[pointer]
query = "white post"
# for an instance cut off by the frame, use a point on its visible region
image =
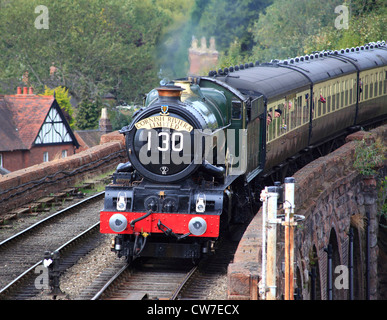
(271, 242)
(262, 283)
(289, 238)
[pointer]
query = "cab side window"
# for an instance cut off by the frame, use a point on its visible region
(236, 111)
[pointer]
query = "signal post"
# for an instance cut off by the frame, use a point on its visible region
(270, 196)
(289, 224)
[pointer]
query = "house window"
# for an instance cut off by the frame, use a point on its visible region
(1, 160)
(45, 157)
(64, 153)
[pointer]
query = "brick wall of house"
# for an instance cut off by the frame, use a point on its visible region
(16, 160)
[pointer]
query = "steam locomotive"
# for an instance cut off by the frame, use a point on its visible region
(200, 147)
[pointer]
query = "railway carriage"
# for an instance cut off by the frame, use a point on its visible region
(199, 148)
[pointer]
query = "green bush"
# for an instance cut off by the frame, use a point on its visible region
(369, 156)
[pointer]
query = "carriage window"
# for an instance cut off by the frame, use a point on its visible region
(293, 113)
(319, 108)
(346, 92)
(338, 95)
(323, 102)
(361, 91)
(376, 85)
(385, 84)
(328, 99)
(342, 95)
(306, 109)
(299, 110)
(269, 125)
(366, 87)
(354, 89)
(286, 116)
(350, 91)
(280, 116)
(236, 110)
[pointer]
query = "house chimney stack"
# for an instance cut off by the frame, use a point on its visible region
(104, 122)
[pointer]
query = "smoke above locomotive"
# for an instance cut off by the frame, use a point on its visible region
(180, 129)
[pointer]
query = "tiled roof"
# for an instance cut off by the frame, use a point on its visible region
(9, 134)
(90, 137)
(21, 117)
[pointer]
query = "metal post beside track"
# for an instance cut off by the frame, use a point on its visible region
(270, 197)
(289, 224)
(271, 243)
(267, 287)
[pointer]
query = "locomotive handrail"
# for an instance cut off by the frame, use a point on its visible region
(205, 133)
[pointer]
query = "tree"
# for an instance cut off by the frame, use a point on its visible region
(291, 28)
(283, 30)
(366, 23)
(63, 99)
(88, 115)
(96, 46)
(233, 56)
(228, 20)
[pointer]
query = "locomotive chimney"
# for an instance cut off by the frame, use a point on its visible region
(169, 93)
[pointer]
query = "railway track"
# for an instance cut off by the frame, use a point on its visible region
(163, 279)
(152, 279)
(23, 252)
(201, 283)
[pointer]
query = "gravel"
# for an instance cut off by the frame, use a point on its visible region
(82, 275)
(88, 268)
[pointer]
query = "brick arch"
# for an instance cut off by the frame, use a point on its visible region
(314, 273)
(301, 276)
(333, 261)
(335, 237)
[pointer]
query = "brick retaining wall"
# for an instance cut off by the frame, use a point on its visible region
(26, 185)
